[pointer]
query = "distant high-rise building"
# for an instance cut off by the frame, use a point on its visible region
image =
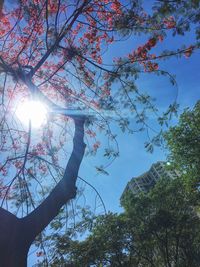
(147, 180)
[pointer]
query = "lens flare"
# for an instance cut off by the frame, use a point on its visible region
(33, 111)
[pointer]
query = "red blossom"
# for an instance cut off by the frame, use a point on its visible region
(39, 150)
(160, 38)
(169, 22)
(18, 164)
(151, 43)
(96, 145)
(150, 66)
(91, 133)
(4, 171)
(188, 51)
(116, 6)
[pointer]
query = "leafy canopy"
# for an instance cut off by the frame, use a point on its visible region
(154, 230)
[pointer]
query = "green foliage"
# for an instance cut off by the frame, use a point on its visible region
(106, 244)
(161, 224)
(183, 141)
(161, 228)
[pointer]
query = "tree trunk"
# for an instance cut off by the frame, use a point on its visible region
(17, 235)
(14, 244)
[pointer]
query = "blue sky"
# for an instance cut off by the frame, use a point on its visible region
(134, 160)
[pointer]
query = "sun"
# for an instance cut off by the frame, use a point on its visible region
(34, 111)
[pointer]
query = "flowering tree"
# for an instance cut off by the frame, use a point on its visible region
(52, 52)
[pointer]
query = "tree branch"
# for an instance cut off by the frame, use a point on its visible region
(65, 190)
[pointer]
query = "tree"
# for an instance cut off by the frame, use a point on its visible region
(183, 142)
(161, 224)
(105, 246)
(151, 232)
(52, 51)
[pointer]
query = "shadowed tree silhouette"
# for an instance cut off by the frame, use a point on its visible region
(16, 235)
